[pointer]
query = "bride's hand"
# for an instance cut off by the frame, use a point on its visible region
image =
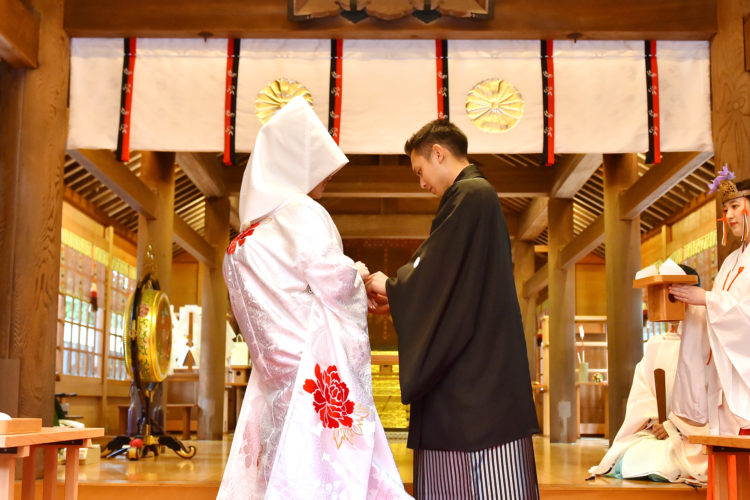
(378, 304)
(362, 269)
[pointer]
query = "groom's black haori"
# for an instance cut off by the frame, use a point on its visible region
(463, 365)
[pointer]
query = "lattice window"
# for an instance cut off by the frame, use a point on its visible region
(79, 327)
(123, 284)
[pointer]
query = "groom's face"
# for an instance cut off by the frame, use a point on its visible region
(428, 171)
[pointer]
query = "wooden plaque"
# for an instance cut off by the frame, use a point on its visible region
(389, 10)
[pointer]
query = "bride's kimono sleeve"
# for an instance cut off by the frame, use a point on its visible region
(330, 274)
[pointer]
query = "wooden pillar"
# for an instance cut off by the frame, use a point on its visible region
(109, 234)
(213, 324)
(33, 128)
(622, 238)
(562, 290)
(523, 269)
(157, 172)
(730, 97)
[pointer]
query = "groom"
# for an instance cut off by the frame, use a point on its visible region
(462, 355)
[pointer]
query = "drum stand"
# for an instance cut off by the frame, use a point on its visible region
(143, 442)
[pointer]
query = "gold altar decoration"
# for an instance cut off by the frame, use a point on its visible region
(494, 106)
(276, 95)
(153, 336)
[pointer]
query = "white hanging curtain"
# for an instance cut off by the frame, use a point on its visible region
(389, 90)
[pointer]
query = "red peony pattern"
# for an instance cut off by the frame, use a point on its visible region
(239, 240)
(330, 397)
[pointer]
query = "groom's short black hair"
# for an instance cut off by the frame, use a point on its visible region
(441, 132)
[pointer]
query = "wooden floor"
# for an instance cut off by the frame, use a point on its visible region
(562, 471)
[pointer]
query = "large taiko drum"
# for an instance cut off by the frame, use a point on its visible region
(153, 336)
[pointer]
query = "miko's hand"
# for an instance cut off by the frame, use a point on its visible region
(689, 294)
(659, 431)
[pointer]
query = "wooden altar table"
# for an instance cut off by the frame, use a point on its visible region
(729, 474)
(13, 446)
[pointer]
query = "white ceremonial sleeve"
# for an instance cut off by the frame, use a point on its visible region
(729, 334)
(640, 409)
(641, 405)
(330, 274)
(689, 393)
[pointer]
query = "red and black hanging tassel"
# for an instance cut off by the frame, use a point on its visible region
(92, 290)
(548, 103)
(441, 63)
(126, 101)
(335, 86)
(652, 95)
(230, 100)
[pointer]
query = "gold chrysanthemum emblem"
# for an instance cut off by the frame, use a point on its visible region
(494, 105)
(276, 95)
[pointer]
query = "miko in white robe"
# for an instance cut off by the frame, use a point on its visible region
(725, 404)
(636, 453)
(308, 427)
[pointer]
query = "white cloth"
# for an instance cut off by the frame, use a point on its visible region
(308, 427)
(388, 92)
(293, 153)
(728, 321)
(642, 454)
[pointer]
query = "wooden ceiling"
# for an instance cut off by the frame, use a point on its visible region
(377, 196)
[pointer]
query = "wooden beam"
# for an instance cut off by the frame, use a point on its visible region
(392, 181)
(624, 303)
(523, 269)
(573, 172)
(405, 226)
(562, 309)
(536, 283)
(513, 19)
(99, 215)
(688, 209)
(19, 35)
(154, 252)
(206, 172)
(730, 89)
(213, 319)
(193, 243)
(33, 125)
(583, 244)
(658, 180)
(511, 220)
(118, 178)
(533, 220)
(234, 216)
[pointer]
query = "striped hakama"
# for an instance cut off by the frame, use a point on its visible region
(505, 472)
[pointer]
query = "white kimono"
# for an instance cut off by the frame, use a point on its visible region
(308, 427)
(673, 459)
(726, 402)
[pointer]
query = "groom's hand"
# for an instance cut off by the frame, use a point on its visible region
(375, 283)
